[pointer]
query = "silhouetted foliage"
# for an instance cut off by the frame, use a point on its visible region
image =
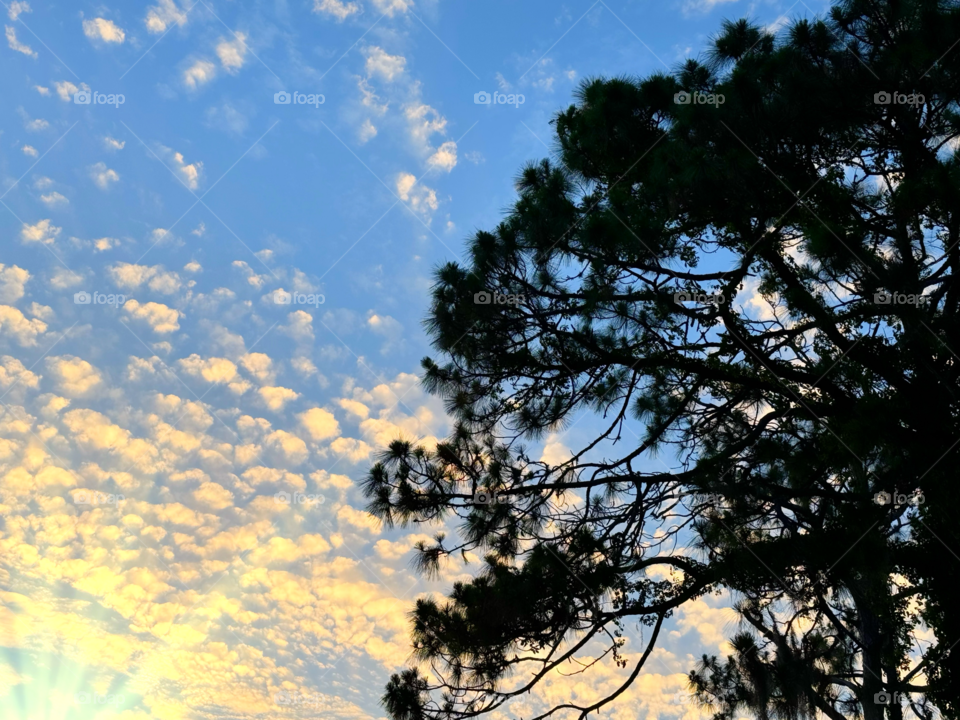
(815, 433)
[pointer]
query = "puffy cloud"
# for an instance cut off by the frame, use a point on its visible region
(64, 279)
(54, 199)
(354, 408)
(162, 15)
(392, 7)
(29, 150)
(17, 7)
(65, 90)
(337, 8)
(13, 280)
(43, 232)
(380, 63)
(200, 73)
(231, 53)
(189, 172)
(159, 317)
(423, 121)
(422, 199)
(214, 370)
(23, 330)
(214, 496)
(104, 30)
(320, 423)
(113, 144)
(367, 131)
(259, 365)
(74, 377)
(276, 397)
(13, 372)
(293, 449)
(445, 158)
(130, 277)
(102, 176)
(17, 45)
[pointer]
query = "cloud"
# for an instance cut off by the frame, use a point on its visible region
(13, 281)
(337, 8)
(161, 16)
(320, 423)
(445, 158)
(54, 199)
(102, 176)
(226, 118)
(17, 7)
(702, 6)
(17, 45)
(13, 372)
(22, 329)
(65, 90)
(422, 199)
(380, 63)
(214, 370)
(259, 365)
(42, 90)
(190, 173)
(159, 317)
(104, 30)
(131, 277)
(392, 7)
(276, 397)
(64, 279)
(200, 73)
(367, 131)
(112, 144)
(74, 377)
(231, 53)
(30, 150)
(43, 232)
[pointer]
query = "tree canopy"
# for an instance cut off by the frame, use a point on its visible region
(754, 258)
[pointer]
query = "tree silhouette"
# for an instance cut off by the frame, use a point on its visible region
(754, 257)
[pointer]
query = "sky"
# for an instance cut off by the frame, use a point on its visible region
(182, 533)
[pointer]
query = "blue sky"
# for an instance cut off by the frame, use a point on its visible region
(198, 398)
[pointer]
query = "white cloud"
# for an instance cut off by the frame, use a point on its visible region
(193, 267)
(42, 90)
(381, 63)
(14, 324)
(702, 6)
(105, 243)
(190, 173)
(424, 121)
(16, 44)
(65, 90)
(421, 198)
(64, 279)
(337, 8)
(30, 150)
(42, 183)
(13, 280)
(74, 377)
(200, 73)
(104, 30)
(54, 199)
(43, 232)
(36, 125)
(113, 144)
(445, 158)
(391, 7)
(16, 8)
(159, 317)
(276, 397)
(130, 277)
(231, 53)
(102, 176)
(164, 14)
(367, 131)
(214, 370)
(320, 423)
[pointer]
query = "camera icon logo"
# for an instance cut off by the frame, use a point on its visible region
(82, 298)
(82, 698)
(882, 498)
(882, 98)
(482, 98)
(82, 497)
(682, 98)
(281, 98)
(482, 298)
(882, 298)
(81, 97)
(282, 698)
(483, 497)
(885, 698)
(282, 297)
(283, 498)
